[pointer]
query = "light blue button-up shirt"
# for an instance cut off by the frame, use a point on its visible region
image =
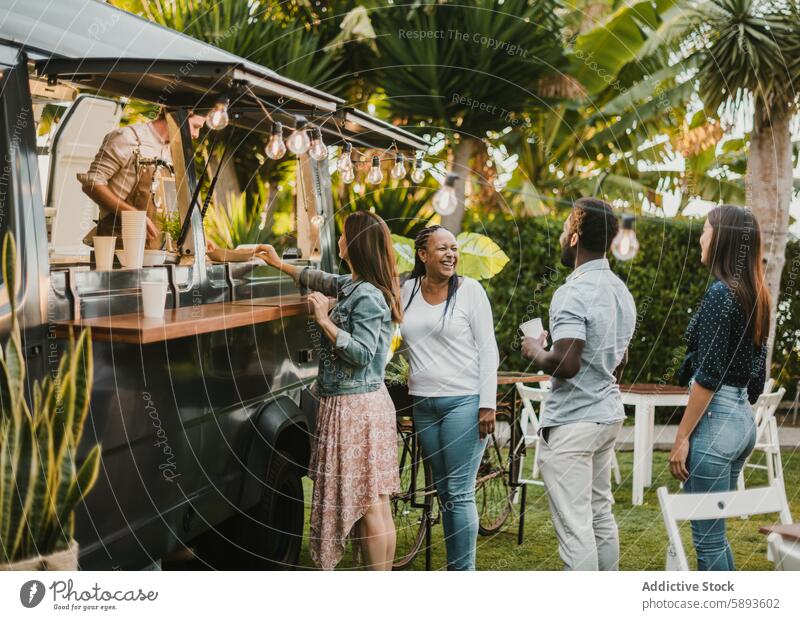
(595, 306)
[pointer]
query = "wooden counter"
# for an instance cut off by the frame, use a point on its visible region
(189, 321)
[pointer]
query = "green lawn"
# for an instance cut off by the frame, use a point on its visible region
(643, 539)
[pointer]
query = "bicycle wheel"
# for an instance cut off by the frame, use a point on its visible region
(493, 494)
(414, 505)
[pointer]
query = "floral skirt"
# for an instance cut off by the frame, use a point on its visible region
(353, 462)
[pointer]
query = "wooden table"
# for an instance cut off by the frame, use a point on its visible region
(783, 545)
(189, 321)
(645, 397)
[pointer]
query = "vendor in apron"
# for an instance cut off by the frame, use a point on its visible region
(121, 176)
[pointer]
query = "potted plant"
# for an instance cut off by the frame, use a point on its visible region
(40, 483)
(479, 258)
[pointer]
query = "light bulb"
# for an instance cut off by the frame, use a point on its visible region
(348, 175)
(317, 151)
(375, 175)
(298, 142)
(276, 148)
(445, 201)
(218, 117)
(417, 174)
(345, 163)
(625, 245)
(499, 184)
(398, 170)
(318, 220)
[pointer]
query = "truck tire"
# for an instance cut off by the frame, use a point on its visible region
(269, 535)
(275, 529)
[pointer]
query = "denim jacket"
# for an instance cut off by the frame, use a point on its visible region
(355, 363)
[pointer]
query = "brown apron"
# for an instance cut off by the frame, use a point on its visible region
(141, 197)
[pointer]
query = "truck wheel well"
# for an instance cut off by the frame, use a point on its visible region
(295, 441)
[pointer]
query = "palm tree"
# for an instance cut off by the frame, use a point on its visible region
(465, 68)
(747, 54)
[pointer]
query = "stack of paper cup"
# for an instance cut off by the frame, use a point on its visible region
(154, 296)
(134, 235)
(104, 252)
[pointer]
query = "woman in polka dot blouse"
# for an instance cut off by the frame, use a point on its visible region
(725, 368)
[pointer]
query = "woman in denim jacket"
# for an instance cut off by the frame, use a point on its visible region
(725, 365)
(354, 456)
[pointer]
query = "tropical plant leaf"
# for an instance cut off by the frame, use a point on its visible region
(479, 257)
(404, 253)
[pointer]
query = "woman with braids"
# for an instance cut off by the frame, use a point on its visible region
(725, 362)
(448, 338)
(354, 456)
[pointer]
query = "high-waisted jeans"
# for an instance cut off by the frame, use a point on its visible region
(448, 432)
(718, 448)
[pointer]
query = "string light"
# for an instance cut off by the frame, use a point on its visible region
(318, 220)
(317, 151)
(398, 170)
(276, 148)
(348, 175)
(375, 175)
(345, 162)
(218, 117)
(298, 142)
(445, 201)
(417, 173)
(625, 245)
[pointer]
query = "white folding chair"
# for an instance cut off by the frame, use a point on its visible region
(767, 440)
(699, 506)
(530, 423)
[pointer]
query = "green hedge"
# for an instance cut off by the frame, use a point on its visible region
(666, 279)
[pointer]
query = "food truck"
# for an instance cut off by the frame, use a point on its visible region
(205, 416)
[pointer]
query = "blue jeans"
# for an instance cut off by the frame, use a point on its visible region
(448, 431)
(718, 448)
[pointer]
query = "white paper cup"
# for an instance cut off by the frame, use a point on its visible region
(532, 328)
(154, 296)
(134, 251)
(104, 252)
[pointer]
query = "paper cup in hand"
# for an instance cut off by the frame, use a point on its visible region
(104, 252)
(154, 296)
(532, 328)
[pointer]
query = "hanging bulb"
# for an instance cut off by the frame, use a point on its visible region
(345, 163)
(318, 220)
(445, 201)
(276, 147)
(298, 142)
(417, 174)
(625, 244)
(498, 184)
(375, 175)
(317, 151)
(348, 174)
(399, 169)
(218, 117)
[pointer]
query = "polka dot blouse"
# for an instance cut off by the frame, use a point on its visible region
(719, 349)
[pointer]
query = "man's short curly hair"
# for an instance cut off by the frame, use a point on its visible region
(595, 223)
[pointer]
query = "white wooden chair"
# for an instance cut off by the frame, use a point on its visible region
(699, 506)
(767, 440)
(530, 424)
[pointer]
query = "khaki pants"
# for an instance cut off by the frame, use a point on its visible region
(575, 462)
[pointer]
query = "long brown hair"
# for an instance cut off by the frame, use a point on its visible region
(371, 255)
(735, 258)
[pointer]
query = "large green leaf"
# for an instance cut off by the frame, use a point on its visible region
(479, 257)
(404, 252)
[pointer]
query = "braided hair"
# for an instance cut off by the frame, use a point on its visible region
(420, 243)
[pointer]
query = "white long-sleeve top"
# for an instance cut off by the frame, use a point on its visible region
(453, 355)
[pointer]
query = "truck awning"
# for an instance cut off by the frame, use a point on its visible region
(94, 45)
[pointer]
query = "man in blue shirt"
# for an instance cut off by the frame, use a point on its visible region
(592, 319)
